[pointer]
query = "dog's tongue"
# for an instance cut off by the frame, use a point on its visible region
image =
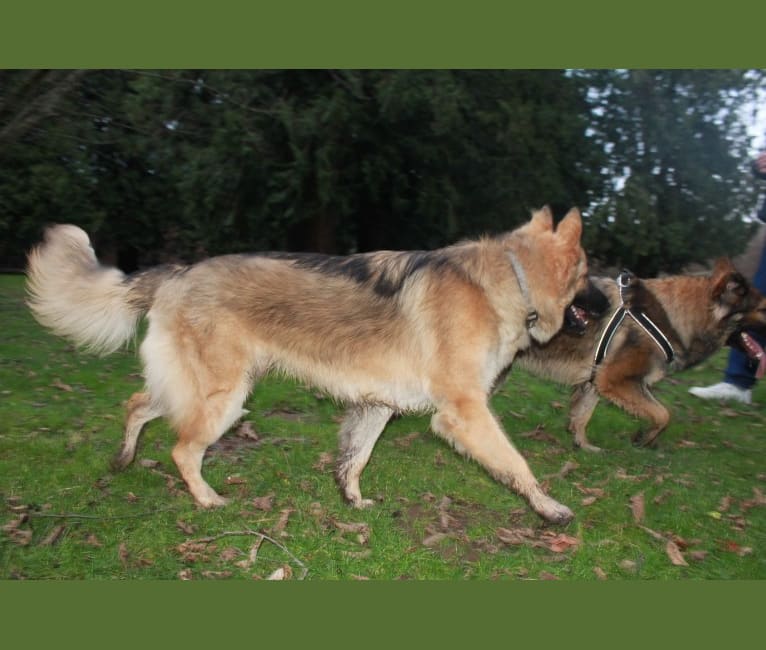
(755, 351)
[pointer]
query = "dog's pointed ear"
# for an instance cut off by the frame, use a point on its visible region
(542, 220)
(570, 227)
(729, 285)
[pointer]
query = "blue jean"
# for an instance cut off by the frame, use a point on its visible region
(740, 371)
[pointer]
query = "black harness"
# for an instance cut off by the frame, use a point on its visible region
(641, 319)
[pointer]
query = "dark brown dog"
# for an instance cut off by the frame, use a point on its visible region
(697, 314)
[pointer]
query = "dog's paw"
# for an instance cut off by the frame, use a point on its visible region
(212, 501)
(586, 446)
(361, 504)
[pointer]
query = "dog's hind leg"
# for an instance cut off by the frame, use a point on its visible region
(203, 427)
(140, 410)
(584, 400)
(635, 398)
(467, 422)
(359, 432)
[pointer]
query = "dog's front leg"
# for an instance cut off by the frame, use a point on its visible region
(468, 424)
(359, 432)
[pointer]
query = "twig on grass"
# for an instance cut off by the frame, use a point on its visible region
(253, 533)
(75, 515)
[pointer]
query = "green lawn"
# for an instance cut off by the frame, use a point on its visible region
(698, 498)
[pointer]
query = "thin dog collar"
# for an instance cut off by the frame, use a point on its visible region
(640, 318)
(521, 278)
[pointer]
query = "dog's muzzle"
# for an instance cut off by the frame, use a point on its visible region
(744, 342)
(575, 319)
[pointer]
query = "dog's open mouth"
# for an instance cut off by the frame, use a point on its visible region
(576, 318)
(747, 344)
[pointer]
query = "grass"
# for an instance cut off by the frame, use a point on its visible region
(65, 515)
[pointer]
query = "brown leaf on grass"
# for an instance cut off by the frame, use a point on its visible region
(186, 527)
(265, 503)
(405, 442)
(149, 463)
(622, 475)
(252, 555)
(674, 553)
(132, 498)
(279, 527)
(185, 574)
(123, 554)
(546, 575)
(539, 433)
(560, 543)
(60, 385)
(588, 501)
(697, 556)
(247, 431)
(600, 573)
(591, 491)
(92, 540)
(235, 480)
(228, 554)
(217, 575)
(654, 533)
(628, 565)
(557, 405)
(637, 507)
(284, 572)
(662, 497)
(53, 536)
(515, 536)
(758, 500)
(439, 459)
(325, 458)
(733, 547)
(687, 444)
(360, 529)
(434, 539)
(566, 469)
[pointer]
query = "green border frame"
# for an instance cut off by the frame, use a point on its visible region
(354, 34)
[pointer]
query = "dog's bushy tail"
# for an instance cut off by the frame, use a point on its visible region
(70, 293)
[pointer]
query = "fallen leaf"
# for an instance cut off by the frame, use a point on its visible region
(279, 527)
(628, 565)
(185, 574)
(600, 573)
(433, 540)
(216, 575)
(282, 573)
(588, 501)
(53, 536)
(637, 507)
(325, 458)
(698, 556)
(265, 503)
(148, 463)
(123, 554)
(724, 504)
(405, 441)
(675, 555)
(562, 543)
(246, 430)
(545, 575)
(515, 536)
(235, 480)
(62, 386)
(185, 527)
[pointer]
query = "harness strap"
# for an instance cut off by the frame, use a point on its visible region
(521, 278)
(640, 318)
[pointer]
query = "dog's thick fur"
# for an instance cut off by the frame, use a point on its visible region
(384, 332)
(697, 313)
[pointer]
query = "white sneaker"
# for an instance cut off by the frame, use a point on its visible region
(723, 391)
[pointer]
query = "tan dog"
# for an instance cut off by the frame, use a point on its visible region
(697, 313)
(384, 332)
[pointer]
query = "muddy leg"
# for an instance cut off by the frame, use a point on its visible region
(140, 410)
(359, 432)
(583, 402)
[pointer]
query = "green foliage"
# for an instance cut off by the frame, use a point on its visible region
(65, 515)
